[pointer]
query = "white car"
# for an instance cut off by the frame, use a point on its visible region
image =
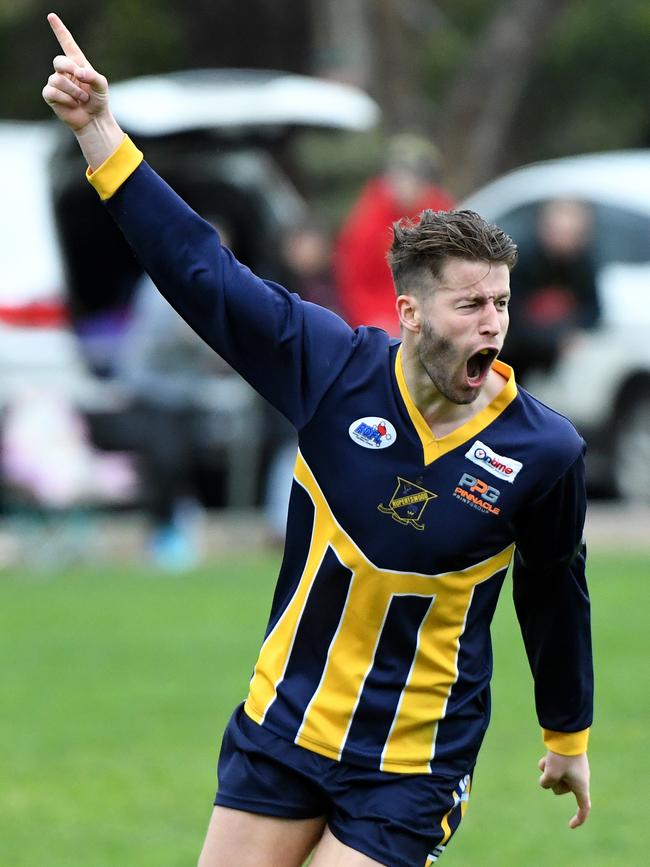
(602, 381)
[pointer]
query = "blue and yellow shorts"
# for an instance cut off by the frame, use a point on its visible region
(400, 820)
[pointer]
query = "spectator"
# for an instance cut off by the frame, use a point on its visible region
(171, 376)
(307, 264)
(554, 287)
(407, 185)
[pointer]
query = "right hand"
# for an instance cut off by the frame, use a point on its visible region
(75, 92)
(564, 774)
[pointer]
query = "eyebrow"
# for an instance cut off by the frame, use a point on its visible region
(467, 294)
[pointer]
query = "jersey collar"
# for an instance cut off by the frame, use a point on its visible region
(435, 447)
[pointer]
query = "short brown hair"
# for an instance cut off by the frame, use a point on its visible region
(420, 247)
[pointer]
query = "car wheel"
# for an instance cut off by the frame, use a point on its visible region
(631, 466)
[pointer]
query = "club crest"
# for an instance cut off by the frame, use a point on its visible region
(372, 432)
(408, 503)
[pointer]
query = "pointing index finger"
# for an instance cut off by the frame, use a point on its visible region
(66, 40)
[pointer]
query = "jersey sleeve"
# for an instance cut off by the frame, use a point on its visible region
(552, 604)
(289, 350)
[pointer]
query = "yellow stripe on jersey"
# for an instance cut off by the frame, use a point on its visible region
(275, 652)
(434, 671)
(327, 719)
(435, 447)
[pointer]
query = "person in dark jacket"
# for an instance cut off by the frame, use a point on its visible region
(554, 288)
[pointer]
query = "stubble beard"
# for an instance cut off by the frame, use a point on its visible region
(439, 359)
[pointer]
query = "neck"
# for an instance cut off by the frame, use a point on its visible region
(441, 414)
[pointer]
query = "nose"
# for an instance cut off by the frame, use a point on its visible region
(491, 320)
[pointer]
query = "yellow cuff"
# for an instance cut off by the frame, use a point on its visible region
(109, 177)
(566, 743)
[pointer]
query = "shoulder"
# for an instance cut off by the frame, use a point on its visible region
(374, 346)
(373, 352)
(369, 363)
(550, 432)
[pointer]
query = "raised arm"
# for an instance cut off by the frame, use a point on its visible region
(78, 95)
(290, 351)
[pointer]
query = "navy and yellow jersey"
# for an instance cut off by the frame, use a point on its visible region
(378, 650)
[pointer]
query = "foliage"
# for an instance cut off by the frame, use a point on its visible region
(126, 37)
(589, 90)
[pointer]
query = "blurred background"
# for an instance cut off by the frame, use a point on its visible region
(301, 130)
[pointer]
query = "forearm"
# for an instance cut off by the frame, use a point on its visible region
(260, 329)
(552, 603)
(553, 612)
(179, 250)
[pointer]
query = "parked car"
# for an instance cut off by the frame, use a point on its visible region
(601, 381)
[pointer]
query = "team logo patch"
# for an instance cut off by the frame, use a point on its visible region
(372, 432)
(502, 467)
(408, 503)
(478, 494)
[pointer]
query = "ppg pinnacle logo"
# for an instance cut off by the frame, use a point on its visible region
(478, 494)
(500, 466)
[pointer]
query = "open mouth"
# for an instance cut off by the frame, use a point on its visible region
(478, 366)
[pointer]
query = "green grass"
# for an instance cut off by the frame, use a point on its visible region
(511, 821)
(116, 686)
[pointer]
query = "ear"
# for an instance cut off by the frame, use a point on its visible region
(409, 313)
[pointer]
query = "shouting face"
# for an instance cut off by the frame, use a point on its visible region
(462, 326)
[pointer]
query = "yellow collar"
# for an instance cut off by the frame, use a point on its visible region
(434, 447)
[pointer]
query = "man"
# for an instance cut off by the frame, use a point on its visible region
(169, 376)
(555, 293)
(420, 467)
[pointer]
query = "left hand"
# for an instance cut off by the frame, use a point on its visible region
(78, 95)
(565, 774)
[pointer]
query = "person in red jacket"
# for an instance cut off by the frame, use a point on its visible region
(407, 185)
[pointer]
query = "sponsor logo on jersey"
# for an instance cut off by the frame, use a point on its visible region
(500, 466)
(478, 494)
(372, 432)
(408, 503)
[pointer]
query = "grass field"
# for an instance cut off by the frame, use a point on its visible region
(116, 686)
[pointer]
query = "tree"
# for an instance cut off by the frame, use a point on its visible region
(380, 45)
(495, 82)
(480, 105)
